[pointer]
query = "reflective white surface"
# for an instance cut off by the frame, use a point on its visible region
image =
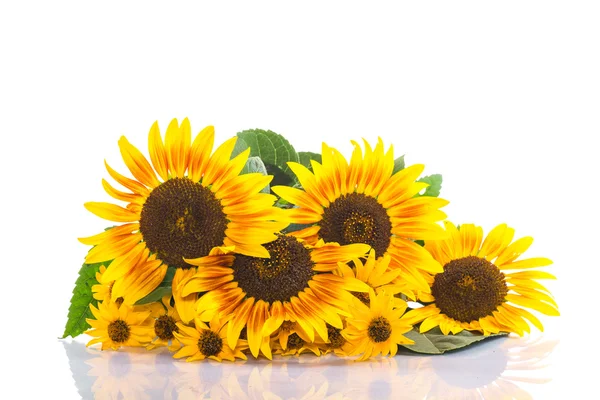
(502, 368)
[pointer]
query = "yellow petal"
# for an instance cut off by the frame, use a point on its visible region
(137, 163)
(158, 154)
(200, 152)
(111, 212)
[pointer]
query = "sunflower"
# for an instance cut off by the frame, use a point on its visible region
(378, 328)
(290, 339)
(478, 289)
(183, 204)
(115, 326)
(165, 327)
(335, 342)
(208, 341)
(297, 345)
(375, 273)
(295, 283)
(365, 202)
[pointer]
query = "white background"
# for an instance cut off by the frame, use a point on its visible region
(502, 98)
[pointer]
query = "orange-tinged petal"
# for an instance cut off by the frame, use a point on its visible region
(158, 154)
(111, 212)
(255, 325)
(130, 184)
(111, 250)
(123, 196)
(235, 326)
(109, 233)
(137, 163)
(219, 162)
(298, 197)
(200, 152)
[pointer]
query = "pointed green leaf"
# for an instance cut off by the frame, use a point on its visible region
(163, 289)
(422, 343)
(82, 297)
(239, 147)
(398, 164)
(275, 152)
(435, 185)
(296, 227)
(435, 342)
(306, 156)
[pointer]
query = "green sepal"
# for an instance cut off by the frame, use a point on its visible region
(82, 297)
(435, 185)
(274, 151)
(163, 289)
(398, 164)
(435, 342)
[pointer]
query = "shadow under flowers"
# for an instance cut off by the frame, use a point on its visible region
(496, 369)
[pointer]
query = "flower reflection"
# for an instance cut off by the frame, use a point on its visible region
(496, 369)
(119, 375)
(491, 372)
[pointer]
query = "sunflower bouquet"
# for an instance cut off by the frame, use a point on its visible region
(256, 249)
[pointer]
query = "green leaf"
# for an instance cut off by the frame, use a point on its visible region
(295, 227)
(398, 164)
(274, 150)
(240, 146)
(306, 156)
(435, 185)
(435, 342)
(422, 343)
(82, 297)
(255, 165)
(279, 177)
(163, 289)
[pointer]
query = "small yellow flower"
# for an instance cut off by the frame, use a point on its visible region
(165, 327)
(335, 342)
(376, 273)
(117, 326)
(378, 328)
(208, 341)
(292, 340)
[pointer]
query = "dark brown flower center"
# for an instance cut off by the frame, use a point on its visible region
(280, 277)
(357, 218)
(210, 343)
(363, 297)
(379, 329)
(469, 288)
(164, 326)
(118, 331)
(182, 219)
(287, 326)
(295, 342)
(336, 340)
